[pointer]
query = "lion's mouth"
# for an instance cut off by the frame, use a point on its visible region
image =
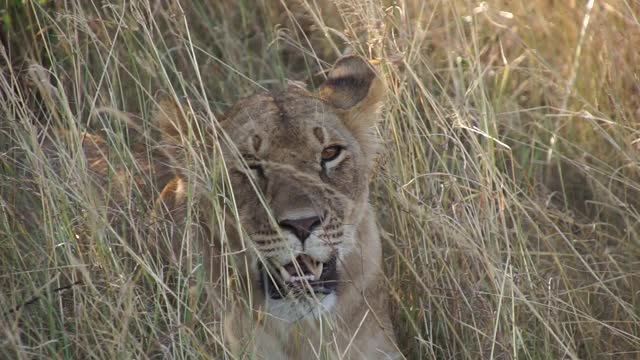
(300, 277)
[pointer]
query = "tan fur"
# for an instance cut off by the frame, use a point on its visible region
(284, 131)
(285, 134)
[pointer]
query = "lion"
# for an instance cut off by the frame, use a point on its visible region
(299, 163)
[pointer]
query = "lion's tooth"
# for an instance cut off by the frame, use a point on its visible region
(308, 262)
(285, 274)
(317, 270)
(314, 266)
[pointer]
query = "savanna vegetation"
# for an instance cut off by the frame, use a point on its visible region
(508, 186)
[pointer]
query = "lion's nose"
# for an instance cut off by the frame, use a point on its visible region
(301, 228)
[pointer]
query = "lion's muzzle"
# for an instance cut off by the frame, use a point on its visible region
(301, 277)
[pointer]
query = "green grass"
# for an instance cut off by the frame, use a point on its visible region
(508, 188)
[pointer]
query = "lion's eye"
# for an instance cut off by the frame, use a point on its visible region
(253, 163)
(330, 153)
(257, 169)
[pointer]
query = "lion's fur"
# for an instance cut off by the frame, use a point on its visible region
(285, 132)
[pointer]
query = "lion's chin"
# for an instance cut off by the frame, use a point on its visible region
(291, 311)
(303, 277)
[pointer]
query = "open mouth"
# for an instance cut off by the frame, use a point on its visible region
(300, 277)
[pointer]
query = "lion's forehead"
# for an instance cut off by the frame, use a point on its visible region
(286, 121)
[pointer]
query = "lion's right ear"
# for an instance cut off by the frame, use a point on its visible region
(354, 88)
(171, 120)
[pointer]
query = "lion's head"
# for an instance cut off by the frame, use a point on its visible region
(299, 163)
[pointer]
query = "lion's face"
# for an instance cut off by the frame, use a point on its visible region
(300, 160)
(299, 164)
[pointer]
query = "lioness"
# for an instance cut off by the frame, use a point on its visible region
(315, 258)
(299, 163)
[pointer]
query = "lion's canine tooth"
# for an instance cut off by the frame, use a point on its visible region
(318, 272)
(285, 274)
(314, 266)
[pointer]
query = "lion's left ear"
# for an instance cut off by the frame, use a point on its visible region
(354, 88)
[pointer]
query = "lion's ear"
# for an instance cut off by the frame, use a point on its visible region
(170, 119)
(354, 88)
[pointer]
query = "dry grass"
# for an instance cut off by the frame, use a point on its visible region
(509, 188)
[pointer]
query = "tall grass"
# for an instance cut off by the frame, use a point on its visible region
(508, 189)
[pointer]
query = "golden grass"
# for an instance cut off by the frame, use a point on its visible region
(508, 191)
